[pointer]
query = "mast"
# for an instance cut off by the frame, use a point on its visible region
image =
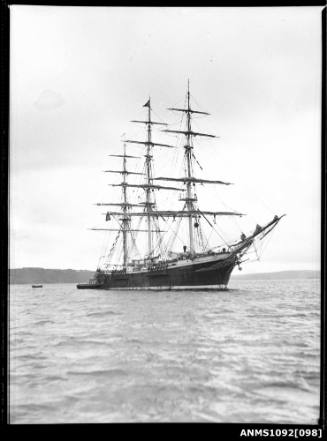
(148, 185)
(125, 205)
(148, 167)
(189, 180)
(188, 156)
(125, 217)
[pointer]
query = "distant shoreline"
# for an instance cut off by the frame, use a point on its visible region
(22, 276)
(279, 275)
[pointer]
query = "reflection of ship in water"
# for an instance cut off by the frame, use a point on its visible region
(199, 265)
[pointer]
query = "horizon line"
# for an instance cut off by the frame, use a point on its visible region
(89, 270)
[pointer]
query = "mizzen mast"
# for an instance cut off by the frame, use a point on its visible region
(125, 226)
(125, 205)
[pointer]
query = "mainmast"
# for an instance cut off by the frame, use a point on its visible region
(148, 186)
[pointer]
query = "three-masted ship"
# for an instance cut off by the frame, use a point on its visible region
(160, 267)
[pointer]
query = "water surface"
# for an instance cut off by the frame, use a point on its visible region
(250, 354)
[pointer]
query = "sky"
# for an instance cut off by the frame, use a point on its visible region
(78, 75)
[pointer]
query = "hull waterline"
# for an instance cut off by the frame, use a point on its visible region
(208, 275)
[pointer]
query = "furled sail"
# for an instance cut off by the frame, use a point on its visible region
(156, 187)
(188, 111)
(150, 122)
(150, 143)
(125, 156)
(191, 179)
(181, 213)
(129, 230)
(123, 172)
(190, 132)
(116, 204)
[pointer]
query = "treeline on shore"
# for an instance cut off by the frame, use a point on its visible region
(46, 275)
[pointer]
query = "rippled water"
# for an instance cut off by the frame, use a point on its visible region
(250, 354)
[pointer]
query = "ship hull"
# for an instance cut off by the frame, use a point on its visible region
(214, 274)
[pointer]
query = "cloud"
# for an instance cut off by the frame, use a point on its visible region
(49, 100)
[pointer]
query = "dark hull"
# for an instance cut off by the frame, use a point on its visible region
(214, 274)
(89, 286)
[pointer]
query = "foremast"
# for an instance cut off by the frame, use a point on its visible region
(190, 180)
(190, 199)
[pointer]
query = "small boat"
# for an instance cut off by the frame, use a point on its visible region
(37, 286)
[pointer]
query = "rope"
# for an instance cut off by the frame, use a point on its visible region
(133, 237)
(112, 249)
(201, 236)
(213, 228)
(197, 161)
(209, 237)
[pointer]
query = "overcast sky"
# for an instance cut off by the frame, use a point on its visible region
(79, 75)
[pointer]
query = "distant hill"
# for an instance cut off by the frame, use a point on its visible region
(45, 275)
(306, 274)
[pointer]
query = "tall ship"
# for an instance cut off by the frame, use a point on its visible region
(168, 248)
